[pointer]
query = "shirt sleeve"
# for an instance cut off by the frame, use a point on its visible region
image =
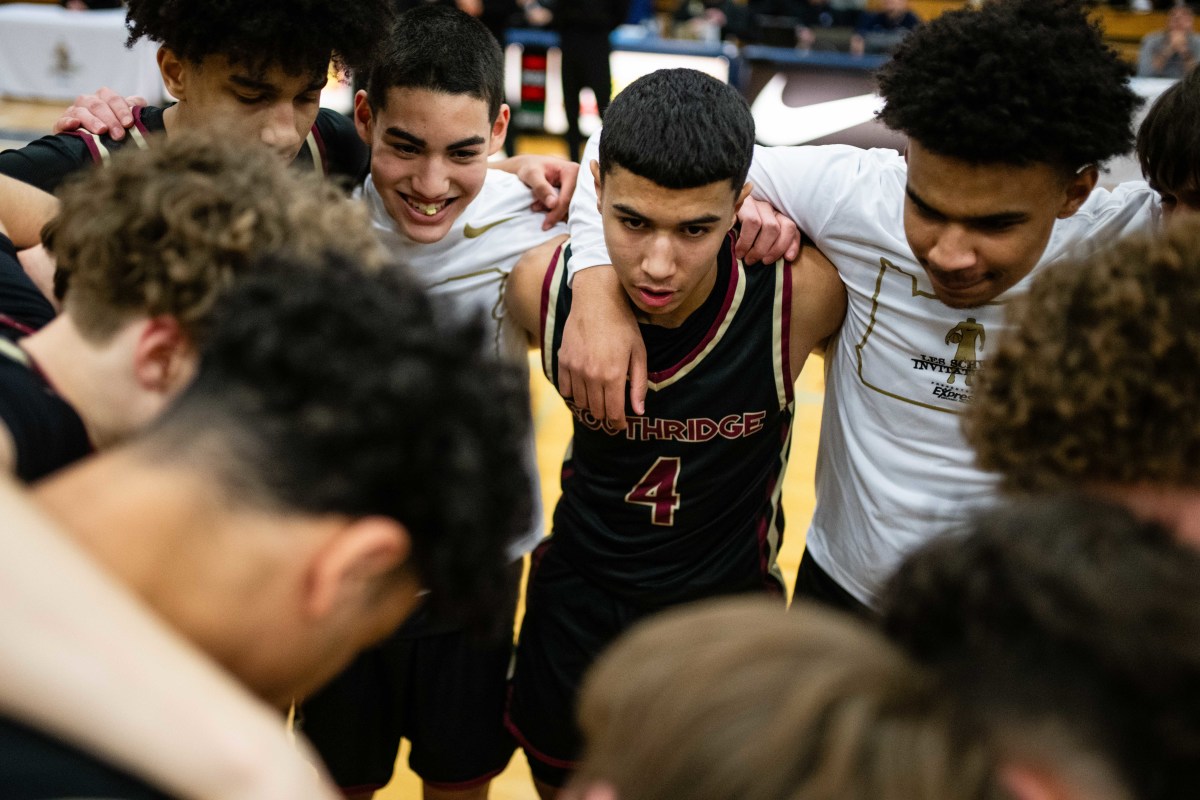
(20, 299)
(586, 227)
(806, 183)
(44, 163)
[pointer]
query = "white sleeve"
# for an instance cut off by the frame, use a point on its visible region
(806, 182)
(587, 229)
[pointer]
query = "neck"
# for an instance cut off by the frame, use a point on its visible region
(87, 376)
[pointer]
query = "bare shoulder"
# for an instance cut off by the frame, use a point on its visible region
(523, 295)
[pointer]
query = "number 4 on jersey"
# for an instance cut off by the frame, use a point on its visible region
(657, 490)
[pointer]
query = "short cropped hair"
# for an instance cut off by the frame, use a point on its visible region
(301, 36)
(328, 388)
(1097, 379)
(680, 129)
(1167, 145)
(1014, 82)
(742, 700)
(443, 50)
(163, 230)
(1065, 615)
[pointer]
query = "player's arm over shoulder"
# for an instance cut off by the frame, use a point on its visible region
(523, 294)
(818, 303)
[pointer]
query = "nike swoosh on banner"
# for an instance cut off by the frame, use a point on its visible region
(471, 232)
(777, 123)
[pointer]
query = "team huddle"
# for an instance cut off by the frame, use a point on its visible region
(264, 398)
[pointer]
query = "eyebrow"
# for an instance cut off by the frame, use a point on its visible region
(256, 84)
(707, 219)
(400, 133)
(1004, 217)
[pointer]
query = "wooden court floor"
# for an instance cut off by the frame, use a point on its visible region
(552, 424)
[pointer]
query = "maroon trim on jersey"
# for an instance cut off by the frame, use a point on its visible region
(90, 140)
(19, 327)
(137, 120)
(530, 750)
(730, 291)
(785, 334)
(320, 140)
(544, 309)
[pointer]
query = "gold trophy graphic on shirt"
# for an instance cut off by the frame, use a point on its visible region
(970, 336)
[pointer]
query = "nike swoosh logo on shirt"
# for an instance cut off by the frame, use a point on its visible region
(471, 232)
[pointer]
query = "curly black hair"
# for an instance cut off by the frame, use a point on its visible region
(1014, 82)
(298, 35)
(326, 388)
(1096, 381)
(1066, 612)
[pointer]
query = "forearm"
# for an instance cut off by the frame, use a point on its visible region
(24, 210)
(81, 658)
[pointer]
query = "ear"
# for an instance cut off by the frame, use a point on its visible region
(500, 129)
(741, 198)
(174, 72)
(1078, 189)
(362, 116)
(595, 167)
(164, 359)
(352, 566)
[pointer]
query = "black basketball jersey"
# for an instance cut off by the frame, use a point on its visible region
(685, 503)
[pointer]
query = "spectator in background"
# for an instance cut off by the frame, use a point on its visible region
(882, 31)
(1172, 52)
(495, 14)
(821, 24)
(712, 20)
(583, 29)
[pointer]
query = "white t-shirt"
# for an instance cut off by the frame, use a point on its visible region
(470, 266)
(893, 468)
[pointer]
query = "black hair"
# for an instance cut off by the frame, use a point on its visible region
(1014, 82)
(680, 129)
(443, 50)
(301, 36)
(1168, 144)
(328, 389)
(1066, 612)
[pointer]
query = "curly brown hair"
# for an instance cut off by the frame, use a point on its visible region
(1097, 380)
(165, 229)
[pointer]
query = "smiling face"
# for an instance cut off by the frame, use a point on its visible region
(269, 105)
(978, 229)
(664, 242)
(429, 154)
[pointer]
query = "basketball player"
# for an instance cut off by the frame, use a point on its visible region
(146, 245)
(1094, 388)
(1069, 633)
(1010, 111)
(286, 511)
(431, 115)
(684, 504)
